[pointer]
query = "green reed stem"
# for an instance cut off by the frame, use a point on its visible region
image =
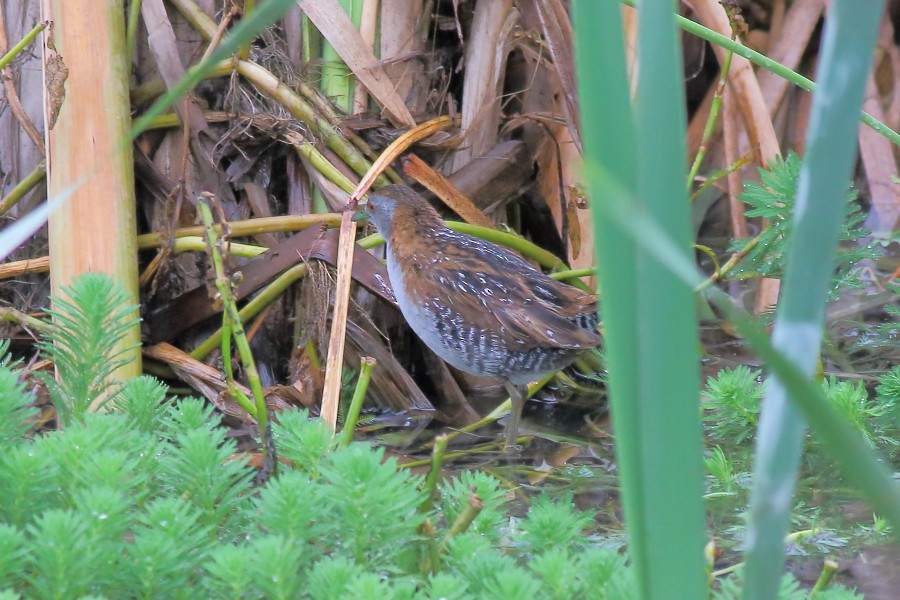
(362, 385)
(232, 322)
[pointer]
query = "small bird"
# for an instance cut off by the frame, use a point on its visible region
(480, 307)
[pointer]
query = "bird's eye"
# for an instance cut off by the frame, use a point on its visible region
(372, 207)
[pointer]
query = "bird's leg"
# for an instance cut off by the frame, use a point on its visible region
(517, 397)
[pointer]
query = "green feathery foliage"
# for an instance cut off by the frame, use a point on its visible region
(154, 500)
(870, 417)
(15, 404)
(773, 198)
(732, 399)
(90, 318)
(888, 389)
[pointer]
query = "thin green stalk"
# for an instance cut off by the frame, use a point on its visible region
(11, 315)
(574, 273)
(730, 264)
(37, 175)
(268, 295)
(282, 224)
(829, 568)
(770, 65)
(471, 510)
(362, 385)
(249, 6)
(22, 44)
(232, 321)
(438, 453)
(710, 122)
(233, 390)
(712, 179)
(198, 244)
(844, 63)
(308, 36)
(134, 16)
(449, 456)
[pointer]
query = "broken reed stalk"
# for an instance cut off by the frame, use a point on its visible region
(472, 509)
(438, 454)
(134, 16)
(234, 328)
(367, 363)
(331, 393)
(710, 122)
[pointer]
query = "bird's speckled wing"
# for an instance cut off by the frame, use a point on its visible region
(494, 287)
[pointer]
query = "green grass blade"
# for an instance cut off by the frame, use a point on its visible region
(648, 312)
(850, 34)
(609, 140)
(668, 357)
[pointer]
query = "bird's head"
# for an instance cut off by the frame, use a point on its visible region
(397, 206)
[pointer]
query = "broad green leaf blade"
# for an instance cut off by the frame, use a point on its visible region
(651, 343)
(668, 357)
(609, 141)
(850, 34)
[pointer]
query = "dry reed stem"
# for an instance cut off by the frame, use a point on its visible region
(877, 154)
(486, 53)
(368, 25)
(331, 394)
(557, 30)
(788, 47)
(730, 131)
